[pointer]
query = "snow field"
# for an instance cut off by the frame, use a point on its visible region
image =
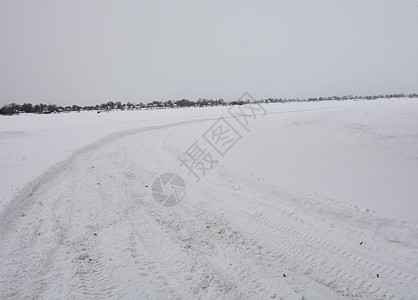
(88, 227)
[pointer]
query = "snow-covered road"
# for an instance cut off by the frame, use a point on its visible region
(90, 228)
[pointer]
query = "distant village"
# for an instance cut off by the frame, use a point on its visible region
(13, 108)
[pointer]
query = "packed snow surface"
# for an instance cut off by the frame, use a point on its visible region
(314, 201)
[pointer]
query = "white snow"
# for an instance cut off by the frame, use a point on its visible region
(318, 200)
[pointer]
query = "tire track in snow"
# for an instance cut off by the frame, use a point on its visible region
(11, 218)
(157, 236)
(163, 221)
(89, 218)
(358, 266)
(292, 246)
(232, 272)
(34, 241)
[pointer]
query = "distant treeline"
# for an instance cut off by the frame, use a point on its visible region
(13, 108)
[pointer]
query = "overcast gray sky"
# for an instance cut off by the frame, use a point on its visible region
(87, 52)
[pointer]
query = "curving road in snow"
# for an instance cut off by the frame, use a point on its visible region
(89, 228)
